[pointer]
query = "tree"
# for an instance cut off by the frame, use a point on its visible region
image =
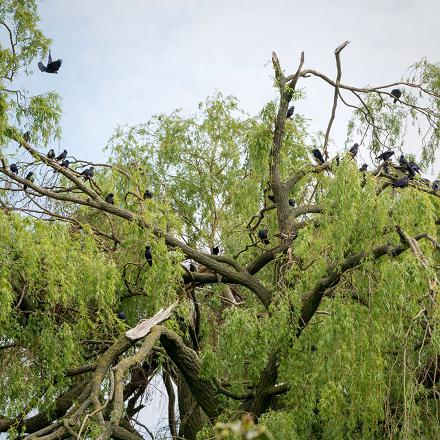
(329, 331)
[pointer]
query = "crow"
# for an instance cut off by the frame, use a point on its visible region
(415, 167)
(436, 185)
(402, 161)
(401, 183)
(65, 163)
(88, 173)
(354, 150)
(338, 160)
(411, 171)
(27, 136)
(14, 168)
(292, 202)
(262, 234)
(271, 197)
(52, 66)
(109, 198)
(318, 155)
(290, 111)
(121, 315)
(192, 267)
(62, 155)
(397, 93)
(51, 154)
(363, 168)
(148, 255)
(385, 155)
(215, 250)
(31, 177)
(148, 194)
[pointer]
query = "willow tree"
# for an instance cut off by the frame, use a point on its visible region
(329, 331)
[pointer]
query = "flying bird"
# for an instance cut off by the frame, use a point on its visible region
(397, 93)
(148, 255)
(385, 155)
(215, 250)
(88, 173)
(110, 198)
(436, 185)
(31, 177)
(121, 315)
(290, 111)
(318, 155)
(62, 155)
(292, 202)
(148, 194)
(262, 234)
(51, 154)
(14, 168)
(401, 183)
(354, 150)
(52, 66)
(363, 168)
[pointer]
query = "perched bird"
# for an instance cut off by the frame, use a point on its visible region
(14, 168)
(148, 255)
(27, 136)
(110, 198)
(271, 197)
(338, 160)
(402, 160)
(65, 163)
(215, 250)
(292, 202)
(318, 155)
(411, 171)
(262, 234)
(148, 194)
(354, 150)
(401, 183)
(363, 168)
(290, 111)
(31, 177)
(397, 93)
(52, 66)
(62, 155)
(51, 154)
(436, 185)
(192, 267)
(415, 167)
(121, 315)
(88, 173)
(385, 155)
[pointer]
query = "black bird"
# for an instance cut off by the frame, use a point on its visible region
(88, 173)
(436, 185)
(292, 202)
(14, 168)
(402, 161)
(65, 163)
(51, 154)
(271, 197)
(215, 250)
(148, 194)
(354, 150)
(27, 136)
(385, 155)
(263, 236)
(31, 177)
(337, 160)
(318, 155)
(397, 93)
(121, 315)
(415, 167)
(290, 111)
(411, 171)
(401, 183)
(62, 155)
(192, 267)
(110, 198)
(363, 168)
(148, 255)
(52, 66)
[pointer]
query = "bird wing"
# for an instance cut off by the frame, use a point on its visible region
(57, 64)
(49, 60)
(42, 67)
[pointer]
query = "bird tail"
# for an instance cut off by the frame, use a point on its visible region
(42, 67)
(395, 100)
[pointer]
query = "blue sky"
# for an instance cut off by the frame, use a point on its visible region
(124, 61)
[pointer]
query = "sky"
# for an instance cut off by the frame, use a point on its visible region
(124, 61)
